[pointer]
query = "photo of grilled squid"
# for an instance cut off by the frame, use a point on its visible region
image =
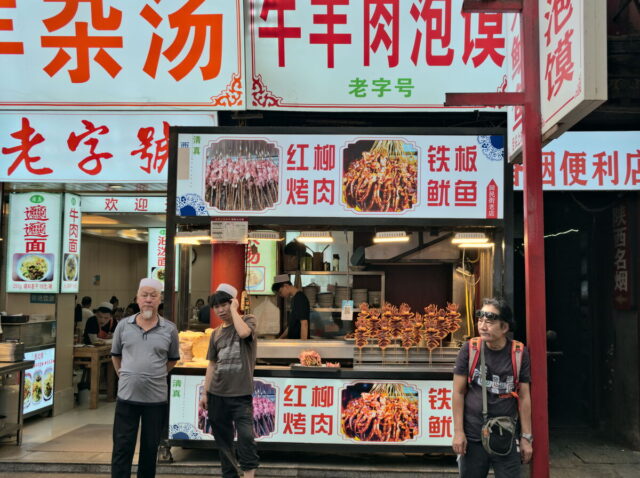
(382, 179)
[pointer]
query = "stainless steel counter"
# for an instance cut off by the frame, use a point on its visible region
(290, 349)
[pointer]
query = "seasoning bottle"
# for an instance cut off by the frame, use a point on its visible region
(335, 263)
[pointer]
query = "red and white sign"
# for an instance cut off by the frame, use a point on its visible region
(89, 146)
(298, 410)
(33, 253)
(71, 234)
(322, 175)
(157, 255)
(573, 65)
(122, 54)
(369, 55)
(130, 204)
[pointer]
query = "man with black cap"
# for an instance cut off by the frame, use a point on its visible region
(228, 384)
(298, 320)
(101, 325)
(145, 348)
(506, 381)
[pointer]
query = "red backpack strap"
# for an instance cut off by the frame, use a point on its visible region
(474, 355)
(517, 351)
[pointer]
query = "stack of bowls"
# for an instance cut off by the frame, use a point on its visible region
(311, 292)
(359, 296)
(325, 299)
(342, 293)
(374, 298)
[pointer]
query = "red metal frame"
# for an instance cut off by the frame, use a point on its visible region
(533, 211)
(492, 6)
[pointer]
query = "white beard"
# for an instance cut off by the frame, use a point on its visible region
(147, 314)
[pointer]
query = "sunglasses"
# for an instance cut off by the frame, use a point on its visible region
(488, 315)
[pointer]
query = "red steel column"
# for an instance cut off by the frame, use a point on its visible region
(534, 238)
(228, 266)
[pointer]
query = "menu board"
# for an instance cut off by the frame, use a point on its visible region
(299, 410)
(261, 266)
(71, 233)
(39, 380)
(341, 176)
(157, 255)
(33, 252)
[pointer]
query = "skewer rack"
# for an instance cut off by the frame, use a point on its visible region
(417, 357)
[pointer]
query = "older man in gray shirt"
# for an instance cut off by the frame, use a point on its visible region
(145, 348)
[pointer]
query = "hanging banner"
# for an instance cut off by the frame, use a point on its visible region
(261, 266)
(327, 411)
(89, 147)
(589, 161)
(121, 54)
(369, 55)
(337, 175)
(130, 204)
(573, 66)
(71, 234)
(624, 268)
(157, 255)
(33, 252)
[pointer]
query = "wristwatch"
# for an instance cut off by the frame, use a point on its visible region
(527, 436)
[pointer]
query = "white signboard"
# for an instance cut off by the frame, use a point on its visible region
(581, 161)
(321, 175)
(234, 230)
(313, 411)
(123, 54)
(71, 233)
(130, 204)
(369, 56)
(39, 380)
(573, 65)
(89, 147)
(157, 254)
(33, 253)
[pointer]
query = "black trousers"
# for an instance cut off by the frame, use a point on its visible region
(476, 462)
(224, 413)
(125, 432)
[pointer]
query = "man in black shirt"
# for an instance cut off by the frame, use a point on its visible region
(298, 323)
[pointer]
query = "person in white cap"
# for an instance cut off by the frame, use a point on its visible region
(228, 384)
(145, 348)
(298, 319)
(101, 325)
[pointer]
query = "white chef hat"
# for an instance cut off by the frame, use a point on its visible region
(153, 283)
(229, 289)
(281, 278)
(105, 306)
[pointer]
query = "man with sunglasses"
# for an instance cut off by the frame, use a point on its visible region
(495, 320)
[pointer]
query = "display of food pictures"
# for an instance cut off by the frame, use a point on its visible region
(241, 175)
(26, 394)
(48, 384)
(70, 267)
(380, 176)
(264, 409)
(33, 267)
(255, 278)
(36, 392)
(380, 412)
(158, 273)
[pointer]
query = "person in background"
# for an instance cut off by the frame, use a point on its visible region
(298, 320)
(196, 308)
(495, 319)
(118, 314)
(99, 326)
(228, 384)
(204, 313)
(145, 348)
(131, 309)
(84, 313)
(114, 302)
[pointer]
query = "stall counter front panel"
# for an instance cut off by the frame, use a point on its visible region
(327, 408)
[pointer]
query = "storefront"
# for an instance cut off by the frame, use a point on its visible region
(390, 290)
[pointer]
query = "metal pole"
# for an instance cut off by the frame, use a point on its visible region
(534, 238)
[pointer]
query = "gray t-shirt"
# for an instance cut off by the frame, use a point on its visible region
(234, 359)
(499, 382)
(143, 371)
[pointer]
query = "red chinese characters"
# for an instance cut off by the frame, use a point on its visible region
(382, 29)
(28, 139)
(88, 138)
(74, 230)
(438, 192)
(141, 204)
(436, 16)
(293, 396)
(621, 279)
(196, 29)
(466, 158)
(157, 159)
(280, 31)
(440, 427)
(316, 416)
(559, 65)
(253, 253)
(82, 42)
(35, 228)
(330, 19)
(489, 40)
(574, 167)
(162, 250)
(9, 47)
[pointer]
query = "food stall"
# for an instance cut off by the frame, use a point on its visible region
(365, 223)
